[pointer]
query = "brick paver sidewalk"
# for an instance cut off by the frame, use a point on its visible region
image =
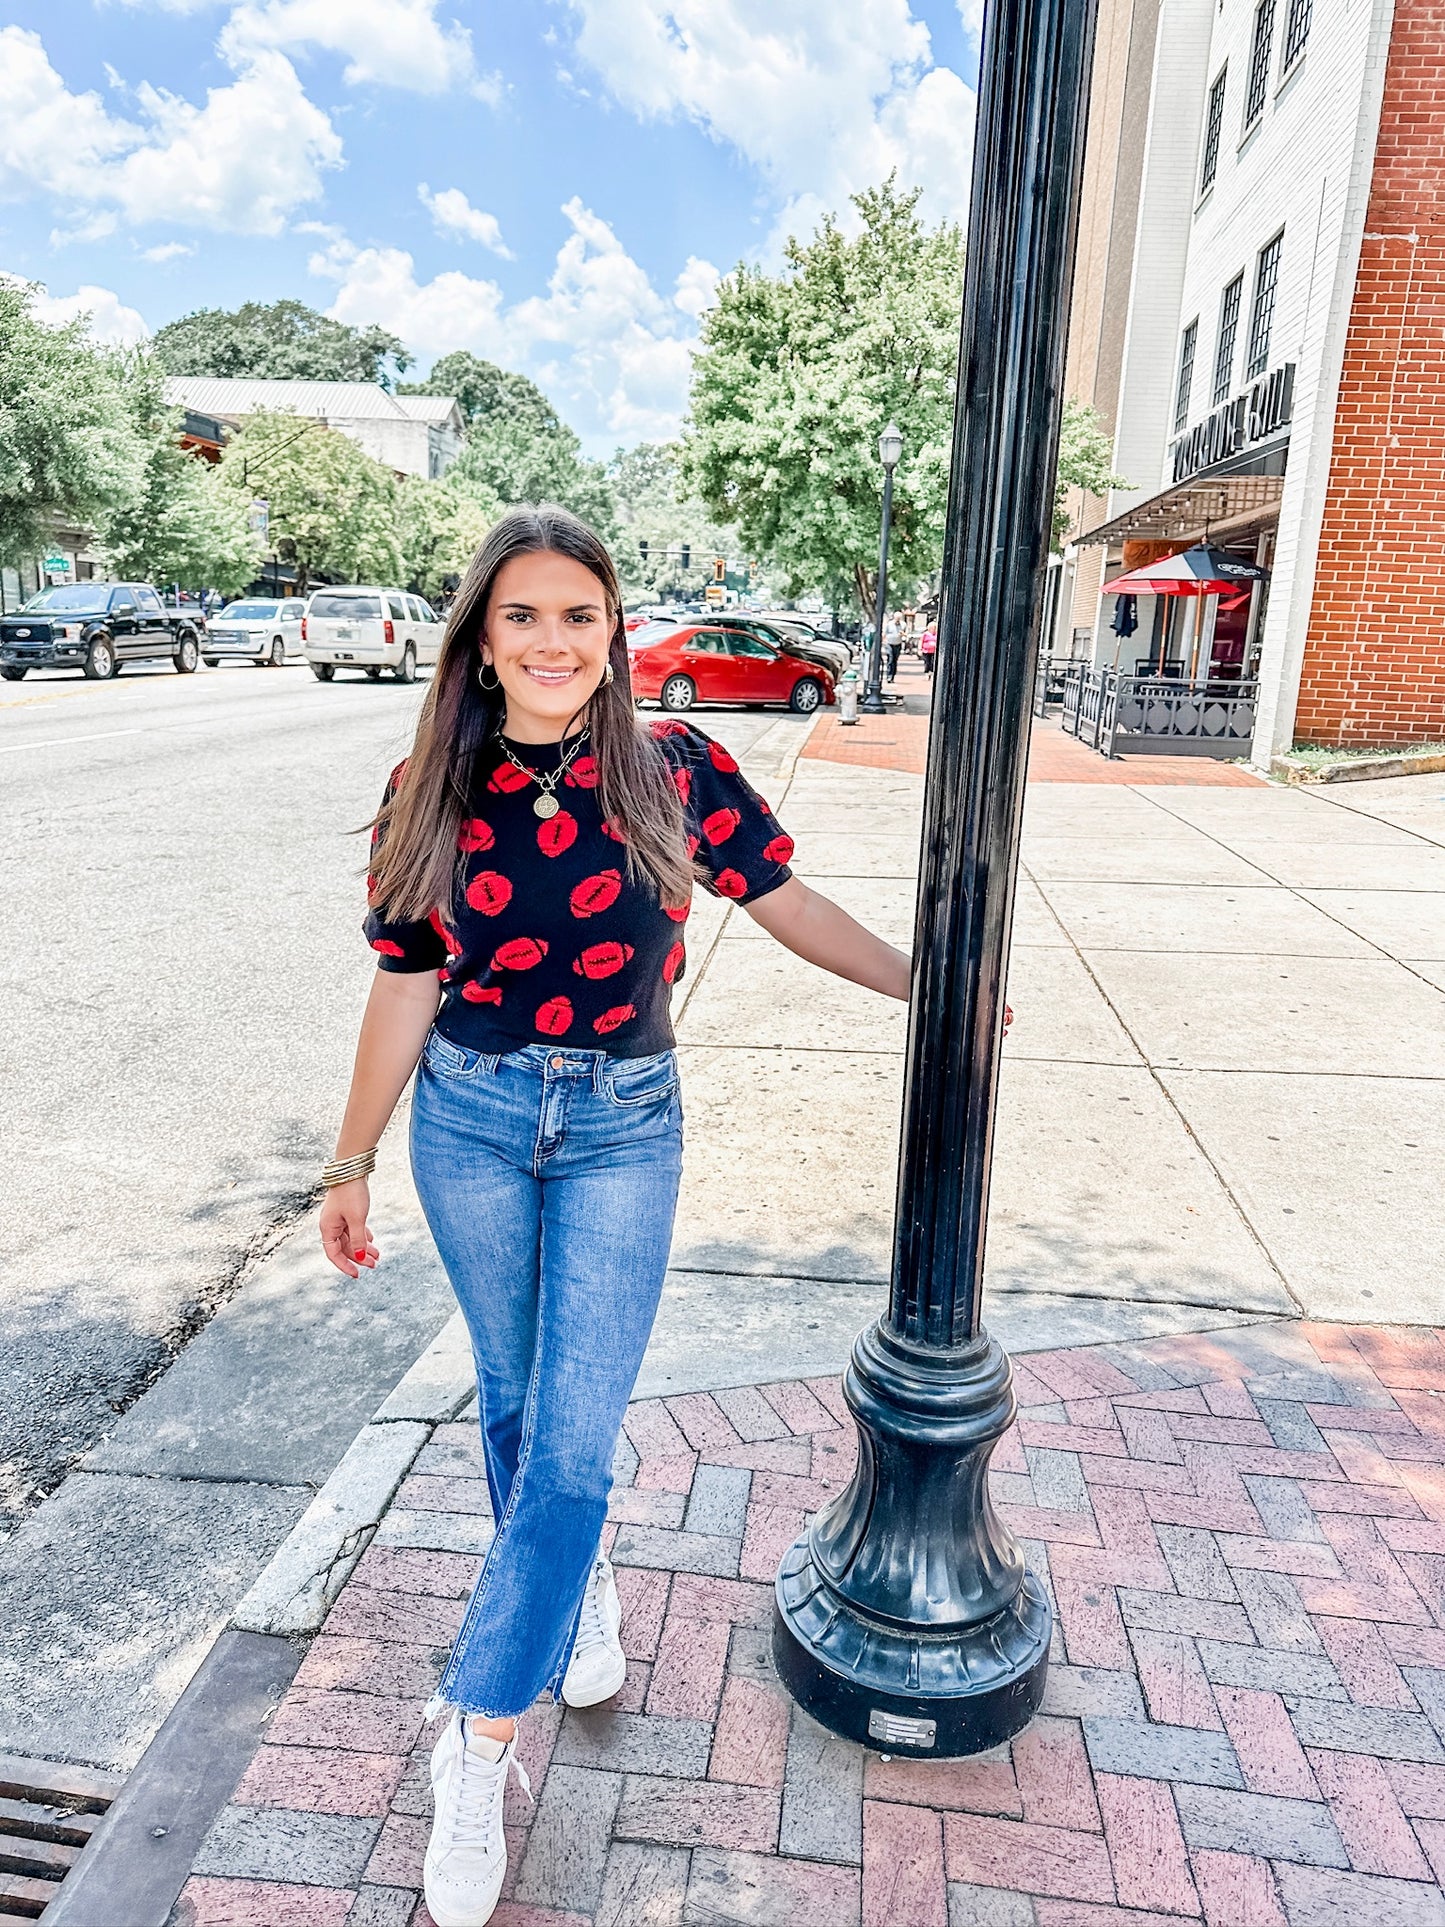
(1245, 1723)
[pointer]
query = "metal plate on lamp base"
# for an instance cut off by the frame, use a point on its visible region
(931, 1659)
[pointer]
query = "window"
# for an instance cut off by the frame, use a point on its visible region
(707, 642)
(1296, 31)
(396, 608)
(292, 609)
(1259, 63)
(1186, 376)
(150, 602)
(1266, 279)
(341, 607)
(739, 644)
(1213, 123)
(1228, 333)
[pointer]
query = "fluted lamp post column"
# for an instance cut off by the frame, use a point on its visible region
(906, 1617)
(890, 448)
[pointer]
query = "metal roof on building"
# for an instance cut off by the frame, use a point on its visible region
(1219, 504)
(335, 401)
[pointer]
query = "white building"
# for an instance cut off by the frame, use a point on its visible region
(412, 434)
(1232, 153)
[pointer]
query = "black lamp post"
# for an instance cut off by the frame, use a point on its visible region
(906, 1616)
(890, 447)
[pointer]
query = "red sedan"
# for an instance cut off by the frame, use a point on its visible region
(696, 664)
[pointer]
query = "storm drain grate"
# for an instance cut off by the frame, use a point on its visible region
(47, 1815)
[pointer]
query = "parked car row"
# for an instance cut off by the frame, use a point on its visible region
(727, 658)
(96, 627)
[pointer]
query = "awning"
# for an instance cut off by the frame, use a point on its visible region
(1190, 508)
(1199, 571)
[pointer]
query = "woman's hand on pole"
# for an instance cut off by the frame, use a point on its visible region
(345, 1236)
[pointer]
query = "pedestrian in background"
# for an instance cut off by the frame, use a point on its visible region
(893, 643)
(532, 870)
(927, 648)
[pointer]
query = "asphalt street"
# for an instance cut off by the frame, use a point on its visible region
(179, 994)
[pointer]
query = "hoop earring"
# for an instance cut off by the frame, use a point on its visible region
(608, 675)
(482, 682)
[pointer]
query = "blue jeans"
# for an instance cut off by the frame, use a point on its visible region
(549, 1180)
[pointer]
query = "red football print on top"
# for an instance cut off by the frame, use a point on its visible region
(611, 827)
(603, 959)
(449, 937)
(693, 845)
(718, 827)
(682, 780)
(519, 953)
(611, 1019)
(596, 893)
(730, 883)
(583, 774)
(668, 729)
(474, 834)
(557, 833)
(387, 947)
(780, 850)
(506, 779)
(555, 1016)
(489, 892)
(721, 760)
(677, 911)
(482, 993)
(672, 963)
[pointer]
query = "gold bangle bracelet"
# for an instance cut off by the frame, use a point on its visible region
(344, 1170)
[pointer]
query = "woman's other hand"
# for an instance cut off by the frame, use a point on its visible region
(345, 1237)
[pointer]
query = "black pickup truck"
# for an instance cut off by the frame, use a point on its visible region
(95, 627)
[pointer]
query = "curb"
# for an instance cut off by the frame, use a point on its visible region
(141, 1855)
(1359, 769)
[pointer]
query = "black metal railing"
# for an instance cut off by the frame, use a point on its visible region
(1158, 715)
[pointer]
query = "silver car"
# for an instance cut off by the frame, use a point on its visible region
(257, 630)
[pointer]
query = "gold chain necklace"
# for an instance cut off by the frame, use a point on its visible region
(546, 803)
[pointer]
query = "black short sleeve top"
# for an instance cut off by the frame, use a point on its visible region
(550, 937)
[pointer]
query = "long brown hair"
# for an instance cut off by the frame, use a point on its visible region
(414, 870)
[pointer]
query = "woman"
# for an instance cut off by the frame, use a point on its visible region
(928, 648)
(532, 866)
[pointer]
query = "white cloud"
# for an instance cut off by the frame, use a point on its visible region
(696, 287)
(823, 97)
(167, 251)
(239, 164)
(970, 12)
(390, 43)
(110, 320)
(456, 218)
(612, 351)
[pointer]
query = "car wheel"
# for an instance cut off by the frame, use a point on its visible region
(277, 658)
(373, 675)
(187, 656)
(806, 696)
(12, 675)
(678, 692)
(405, 670)
(100, 660)
(323, 671)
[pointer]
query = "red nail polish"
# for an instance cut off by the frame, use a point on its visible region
(359, 1256)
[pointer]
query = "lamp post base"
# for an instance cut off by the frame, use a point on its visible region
(905, 1618)
(872, 703)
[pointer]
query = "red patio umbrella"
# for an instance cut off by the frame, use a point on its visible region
(1199, 571)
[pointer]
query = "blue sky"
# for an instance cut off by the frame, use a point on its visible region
(554, 184)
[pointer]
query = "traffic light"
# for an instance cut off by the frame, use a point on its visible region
(719, 568)
(642, 550)
(686, 557)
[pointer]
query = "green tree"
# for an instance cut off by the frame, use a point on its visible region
(1086, 462)
(518, 448)
(282, 341)
(332, 510)
(181, 524)
(645, 484)
(441, 529)
(799, 372)
(68, 449)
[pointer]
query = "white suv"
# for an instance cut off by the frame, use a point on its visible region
(371, 630)
(260, 629)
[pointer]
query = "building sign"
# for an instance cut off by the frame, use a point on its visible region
(1235, 425)
(57, 568)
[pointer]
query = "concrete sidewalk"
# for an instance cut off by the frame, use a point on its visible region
(1244, 1537)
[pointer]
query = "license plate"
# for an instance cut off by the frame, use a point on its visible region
(343, 635)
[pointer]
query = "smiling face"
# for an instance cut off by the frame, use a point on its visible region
(547, 634)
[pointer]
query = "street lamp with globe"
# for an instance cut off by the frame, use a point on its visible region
(890, 447)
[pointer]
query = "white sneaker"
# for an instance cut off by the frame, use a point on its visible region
(598, 1666)
(466, 1857)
